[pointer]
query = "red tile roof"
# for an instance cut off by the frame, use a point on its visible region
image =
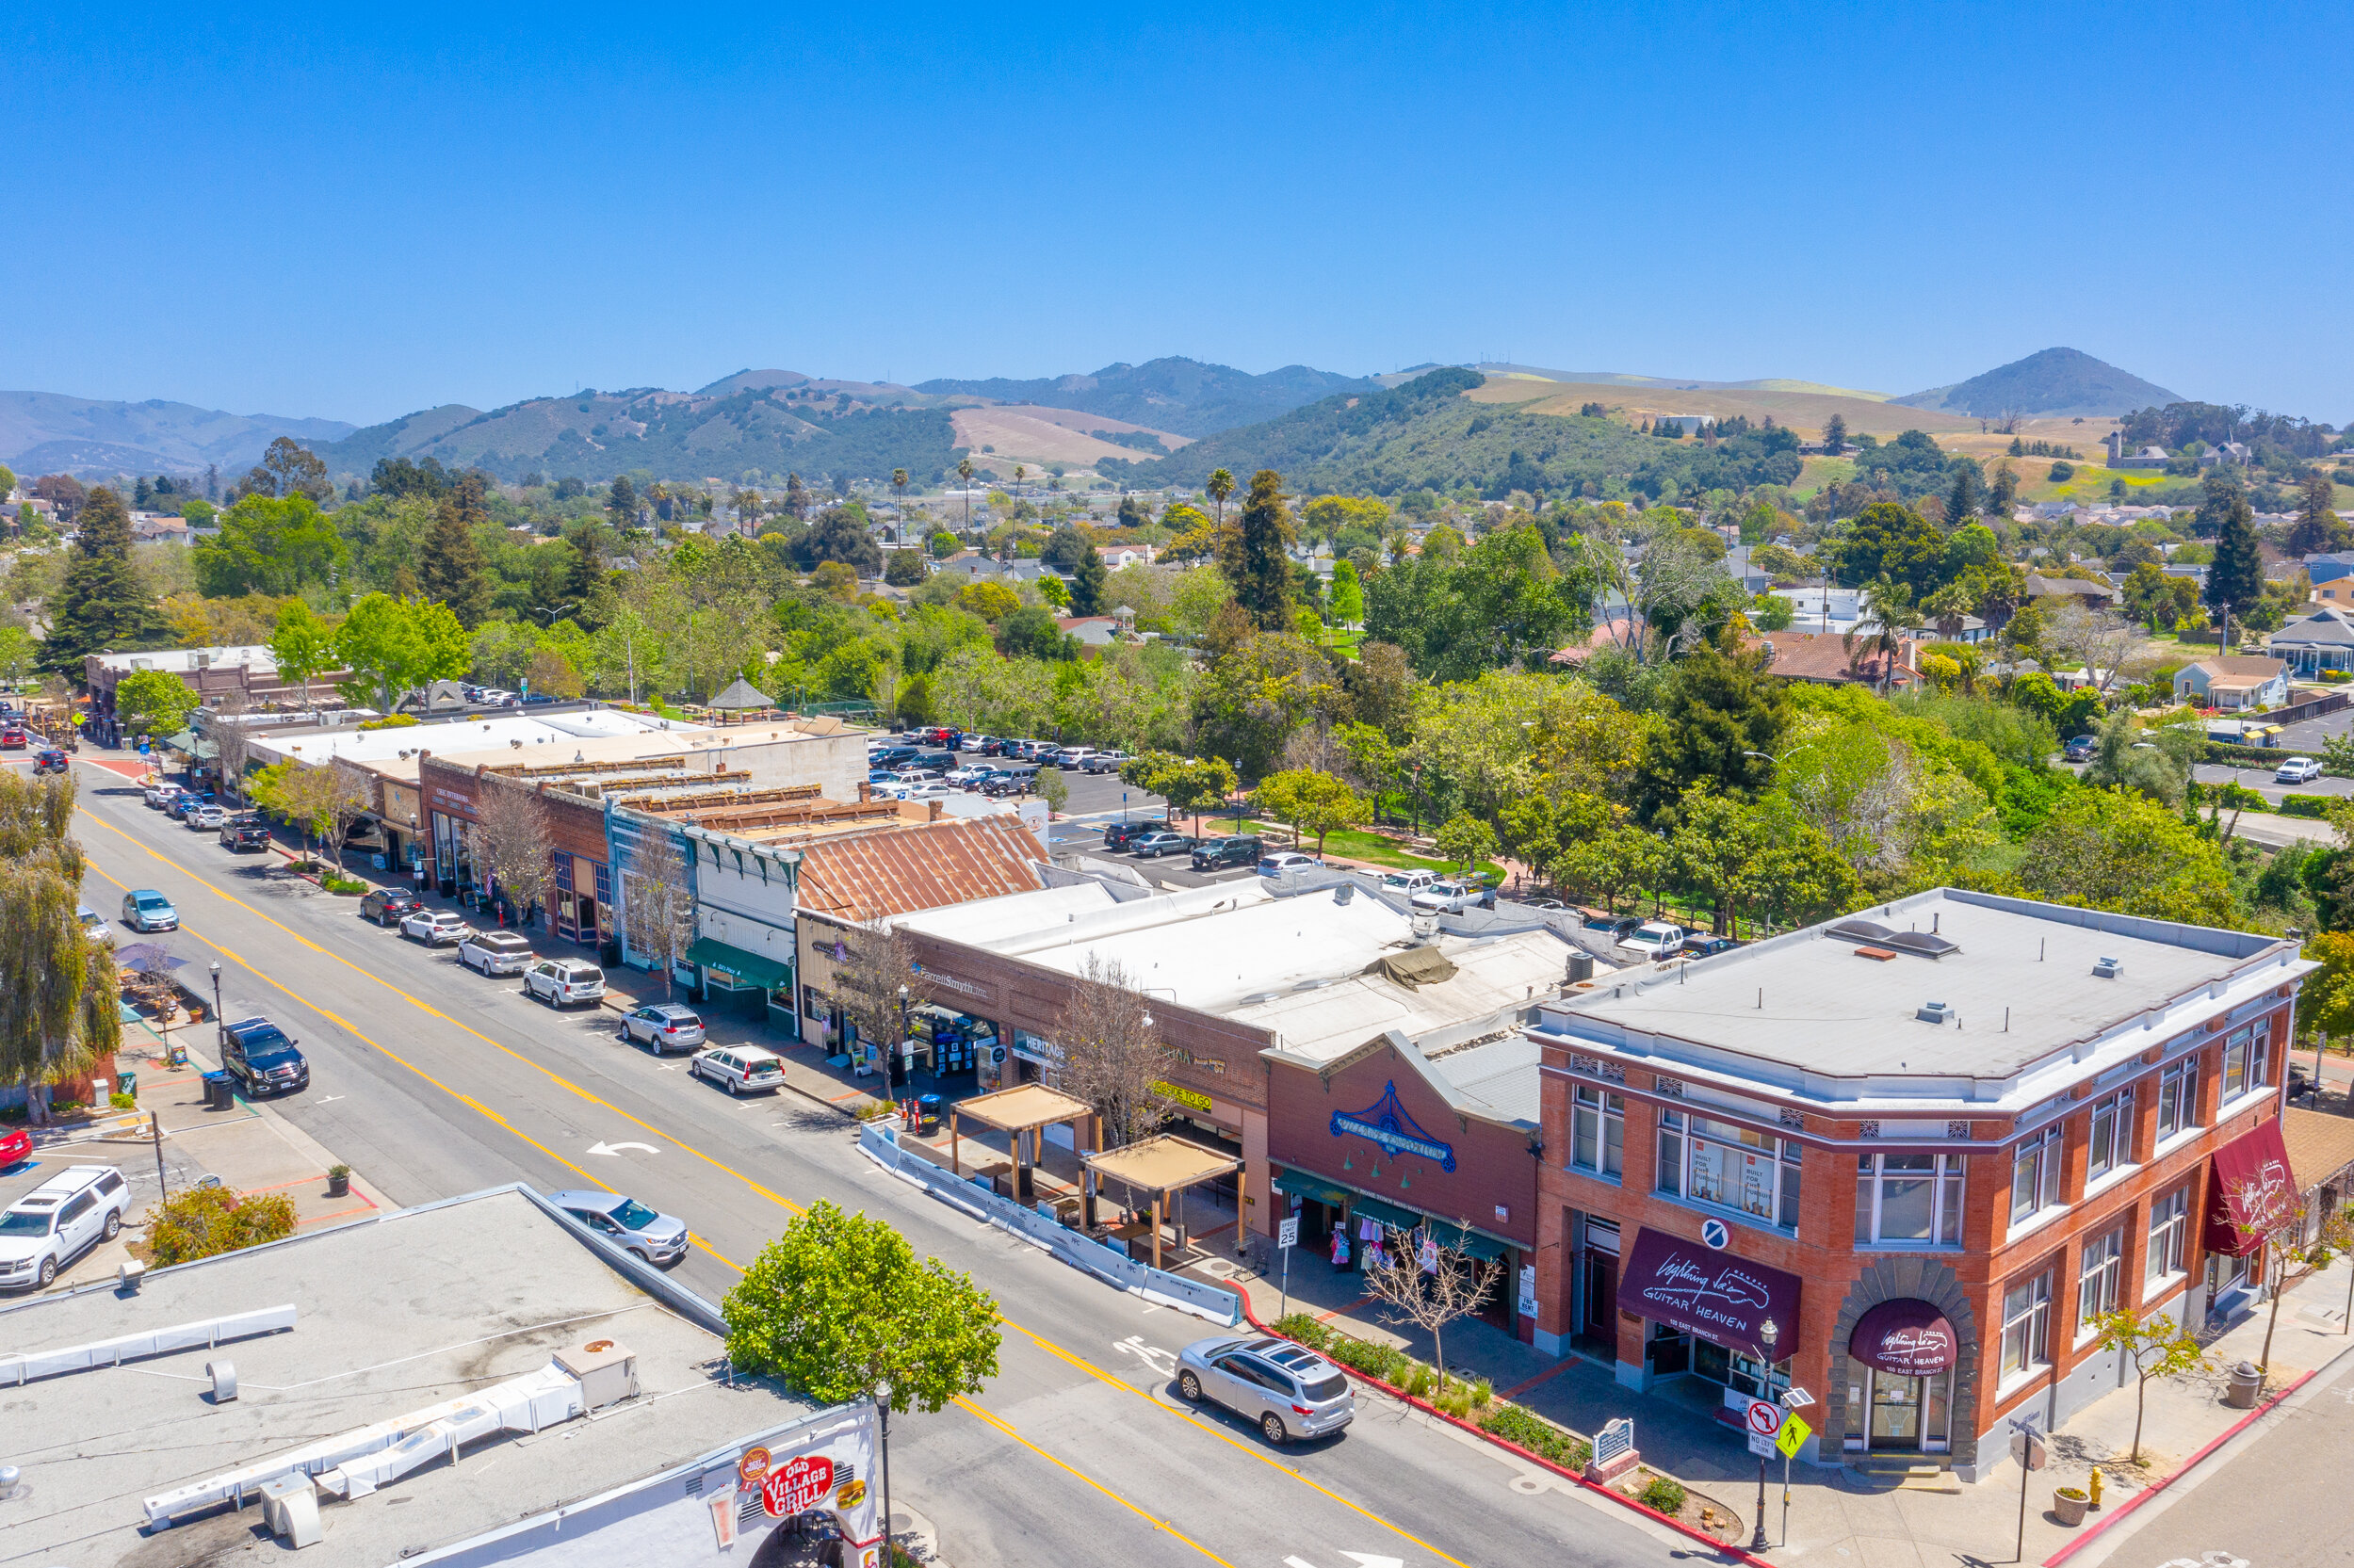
(1824, 657)
(899, 871)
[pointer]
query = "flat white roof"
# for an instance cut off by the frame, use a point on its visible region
(180, 659)
(453, 737)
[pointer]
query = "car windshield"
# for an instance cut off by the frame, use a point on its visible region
(154, 901)
(269, 1039)
(1398, 879)
(276, 1057)
(18, 1223)
(633, 1215)
(87, 916)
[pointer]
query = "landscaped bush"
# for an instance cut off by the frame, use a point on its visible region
(2299, 805)
(204, 1220)
(1539, 1437)
(2336, 677)
(1308, 1332)
(1666, 1496)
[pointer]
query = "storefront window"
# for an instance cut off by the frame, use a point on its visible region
(2027, 1325)
(2036, 1174)
(1597, 1140)
(1751, 1174)
(2097, 1279)
(2112, 1132)
(2177, 1097)
(2243, 1059)
(1909, 1199)
(2169, 1220)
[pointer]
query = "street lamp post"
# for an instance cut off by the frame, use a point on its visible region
(882, 1410)
(898, 1046)
(220, 1025)
(1767, 1333)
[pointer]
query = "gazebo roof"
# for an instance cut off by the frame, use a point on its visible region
(741, 694)
(1022, 1108)
(1162, 1163)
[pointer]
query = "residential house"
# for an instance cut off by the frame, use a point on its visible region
(2092, 593)
(1093, 631)
(2323, 640)
(1824, 658)
(2230, 451)
(2234, 683)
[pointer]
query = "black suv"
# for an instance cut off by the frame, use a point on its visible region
(387, 905)
(260, 1054)
(245, 832)
(1119, 835)
(1242, 850)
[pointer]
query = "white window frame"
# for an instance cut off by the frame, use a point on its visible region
(2247, 1059)
(2027, 1337)
(2099, 1279)
(2044, 1150)
(2111, 1126)
(2177, 1097)
(1679, 1136)
(1945, 1177)
(2167, 1239)
(1597, 1132)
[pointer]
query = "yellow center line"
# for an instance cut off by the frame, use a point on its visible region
(717, 1164)
(1157, 1523)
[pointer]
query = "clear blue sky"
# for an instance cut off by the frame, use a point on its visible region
(316, 213)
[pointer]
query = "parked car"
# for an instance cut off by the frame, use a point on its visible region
(968, 774)
(1540, 902)
(2080, 748)
(1611, 926)
(261, 1055)
(628, 1225)
(561, 982)
(740, 1068)
(1706, 947)
(185, 801)
(245, 832)
(1654, 940)
(1409, 882)
(664, 1025)
(16, 1146)
(13, 738)
(1235, 850)
(2296, 770)
(435, 928)
(994, 745)
(205, 820)
(1119, 835)
(534, 699)
(892, 757)
(159, 792)
(50, 759)
(495, 697)
(1073, 759)
(1007, 780)
(495, 952)
(1283, 861)
(60, 1221)
(1288, 1390)
(146, 910)
(916, 773)
(1103, 762)
(977, 744)
(388, 906)
(931, 789)
(1152, 845)
(1447, 897)
(94, 923)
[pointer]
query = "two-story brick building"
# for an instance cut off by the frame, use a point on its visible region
(1929, 1143)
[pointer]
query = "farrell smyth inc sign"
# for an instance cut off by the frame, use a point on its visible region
(1386, 1125)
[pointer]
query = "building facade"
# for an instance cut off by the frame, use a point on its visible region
(1929, 1146)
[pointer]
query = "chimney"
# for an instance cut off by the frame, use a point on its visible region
(866, 793)
(933, 811)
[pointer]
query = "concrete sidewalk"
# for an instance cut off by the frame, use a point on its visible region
(1926, 1519)
(807, 1072)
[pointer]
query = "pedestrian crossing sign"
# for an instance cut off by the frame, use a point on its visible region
(1793, 1433)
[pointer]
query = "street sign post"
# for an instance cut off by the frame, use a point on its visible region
(1762, 1447)
(2028, 1448)
(1764, 1417)
(1287, 1238)
(1792, 1438)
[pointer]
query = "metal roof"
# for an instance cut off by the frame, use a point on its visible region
(955, 861)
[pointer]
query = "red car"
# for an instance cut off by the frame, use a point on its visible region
(16, 1147)
(12, 738)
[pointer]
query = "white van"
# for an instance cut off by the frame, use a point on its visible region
(60, 1221)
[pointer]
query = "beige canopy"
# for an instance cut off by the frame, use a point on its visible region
(1162, 1164)
(1023, 1111)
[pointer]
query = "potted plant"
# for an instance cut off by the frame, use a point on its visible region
(339, 1183)
(2068, 1503)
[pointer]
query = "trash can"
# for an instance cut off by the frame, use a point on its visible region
(2248, 1380)
(927, 1113)
(127, 1082)
(220, 1091)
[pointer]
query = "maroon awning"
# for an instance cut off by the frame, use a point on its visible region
(1701, 1291)
(1905, 1337)
(2249, 1189)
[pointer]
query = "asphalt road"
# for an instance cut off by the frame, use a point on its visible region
(432, 1081)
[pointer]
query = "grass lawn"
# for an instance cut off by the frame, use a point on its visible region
(1372, 849)
(1341, 639)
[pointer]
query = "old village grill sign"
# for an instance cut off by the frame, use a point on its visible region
(1720, 1298)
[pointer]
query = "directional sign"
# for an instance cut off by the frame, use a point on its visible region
(1793, 1437)
(617, 1148)
(1764, 1417)
(796, 1486)
(2029, 1448)
(1288, 1231)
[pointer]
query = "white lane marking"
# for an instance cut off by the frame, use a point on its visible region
(617, 1148)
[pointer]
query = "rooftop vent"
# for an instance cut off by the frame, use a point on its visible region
(1935, 1012)
(2108, 968)
(1342, 894)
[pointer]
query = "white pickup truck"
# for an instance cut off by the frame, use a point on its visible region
(1654, 940)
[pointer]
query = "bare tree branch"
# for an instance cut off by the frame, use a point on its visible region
(657, 907)
(511, 836)
(1429, 1286)
(1111, 1059)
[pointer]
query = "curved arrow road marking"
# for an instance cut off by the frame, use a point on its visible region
(617, 1148)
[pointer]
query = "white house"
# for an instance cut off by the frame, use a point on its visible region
(2234, 681)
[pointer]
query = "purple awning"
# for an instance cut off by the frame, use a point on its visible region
(1698, 1290)
(1903, 1337)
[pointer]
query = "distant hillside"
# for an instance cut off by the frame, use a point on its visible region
(1180, 395)
(48, 432)
(2053, 380)
(810, 428)
(1427, 433)
(1784, 402)
(1504, 370)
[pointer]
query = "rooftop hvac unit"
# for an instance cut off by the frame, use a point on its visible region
(606, 1369)
(290, 1509)
(1581, 968)
(2108, 968)
(1935, 1012)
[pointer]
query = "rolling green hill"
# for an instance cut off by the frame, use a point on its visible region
(2049, 381)
(1180, 395)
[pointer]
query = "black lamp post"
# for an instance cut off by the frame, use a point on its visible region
(882, 1410)
(898, 1046)
(1767, 1333)
(220, 1025)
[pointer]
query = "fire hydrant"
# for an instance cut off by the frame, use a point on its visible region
(2094, 1486)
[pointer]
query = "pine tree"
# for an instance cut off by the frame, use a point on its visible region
(1835, 434)
(102, 603)
(1253, 557)
(449, 564)
(622, 501)
(2236, 580)
(1087, 583)
(1961, 506)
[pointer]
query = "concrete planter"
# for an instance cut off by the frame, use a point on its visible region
(2068, 1504)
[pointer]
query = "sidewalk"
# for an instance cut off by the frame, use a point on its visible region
(807, 1073)
(1880, 1520)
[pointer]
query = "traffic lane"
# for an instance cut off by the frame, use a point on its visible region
(2262, 781)
(2258, 1503)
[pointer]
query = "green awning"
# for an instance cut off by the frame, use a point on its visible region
(1454, 1238)
(739, 968)
(1457, 1239)
(1388, 1214)
(1298, 1183)
(185, 741)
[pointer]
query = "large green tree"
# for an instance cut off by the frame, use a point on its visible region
(2235, 579)
(61, 1008)
(392, 646)
(102, 603)
(1253, 558)
(839, 1306)
(2106, 848)
(152, 701)
(1723, 721)
(449, 560)
(1887, 539)
(301, 645)
(271, 545)
(1087, 583)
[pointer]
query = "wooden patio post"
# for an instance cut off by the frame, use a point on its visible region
(1087, 1175)
(954, 1170)
(1156, 1230)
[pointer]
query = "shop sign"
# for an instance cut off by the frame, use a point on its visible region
(2253, 1190)
(1191, 1099)
(1720, 1298)
(797, 1487)
(1905, 1337)
(1615, 1439)
(752, 1468)
(1032, 1048)
(1386, 1125)
(935, 980)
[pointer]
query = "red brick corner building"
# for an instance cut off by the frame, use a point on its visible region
(1930, 1143)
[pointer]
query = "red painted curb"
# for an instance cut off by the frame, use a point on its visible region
(1729, 1552)
(2163, 1481)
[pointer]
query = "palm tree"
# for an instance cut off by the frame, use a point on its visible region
(964, 472)
(1889, 606)
(1220, 485)
(1949, 607)
(899, 486)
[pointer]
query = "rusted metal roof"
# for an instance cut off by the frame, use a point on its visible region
(928, 866)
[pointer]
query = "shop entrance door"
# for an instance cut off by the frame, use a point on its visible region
(1601, 1297)
(1908, 1413)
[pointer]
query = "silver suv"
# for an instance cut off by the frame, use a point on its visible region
(60, 1221)
(561, 982)
(1288, 1389)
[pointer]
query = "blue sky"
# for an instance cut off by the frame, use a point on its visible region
(314, 213)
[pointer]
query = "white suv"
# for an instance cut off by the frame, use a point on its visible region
(1654, 940)
(561, 982)
(495, 952)
(60, 1221)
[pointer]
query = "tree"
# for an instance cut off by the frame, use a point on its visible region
(449, 561)
(2317, 527)
(1253, 558)
(1187, 784)
(205, 1221)
(270, 545)
(2235, 578)
(905, 567)
(1430, 1286)
(838, 1306)
(878, 984)
(840, 533)
(1048, 784)
(1887, 539)
(2154, 1348)
(621, 500)
(18, 653)
(991, 601)
(964, 474)
(1087, 583)
(1723, 721)
(1835, 434)
(152, 701)
(301, 646)
(1309, 800)
(1348, 594)
(102, 603)
(392, 647)
(1218, 487)
(1464, 841)
(1111, 1057)
(323, 801)
(513, 838)
(288, 468)
(232, 738)
(657, 903)
(61, 1010)
(2103, 848)
(1891, 610)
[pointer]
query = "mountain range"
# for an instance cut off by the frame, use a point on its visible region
(48, 432)
(1183, 396)
(2059, 381)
